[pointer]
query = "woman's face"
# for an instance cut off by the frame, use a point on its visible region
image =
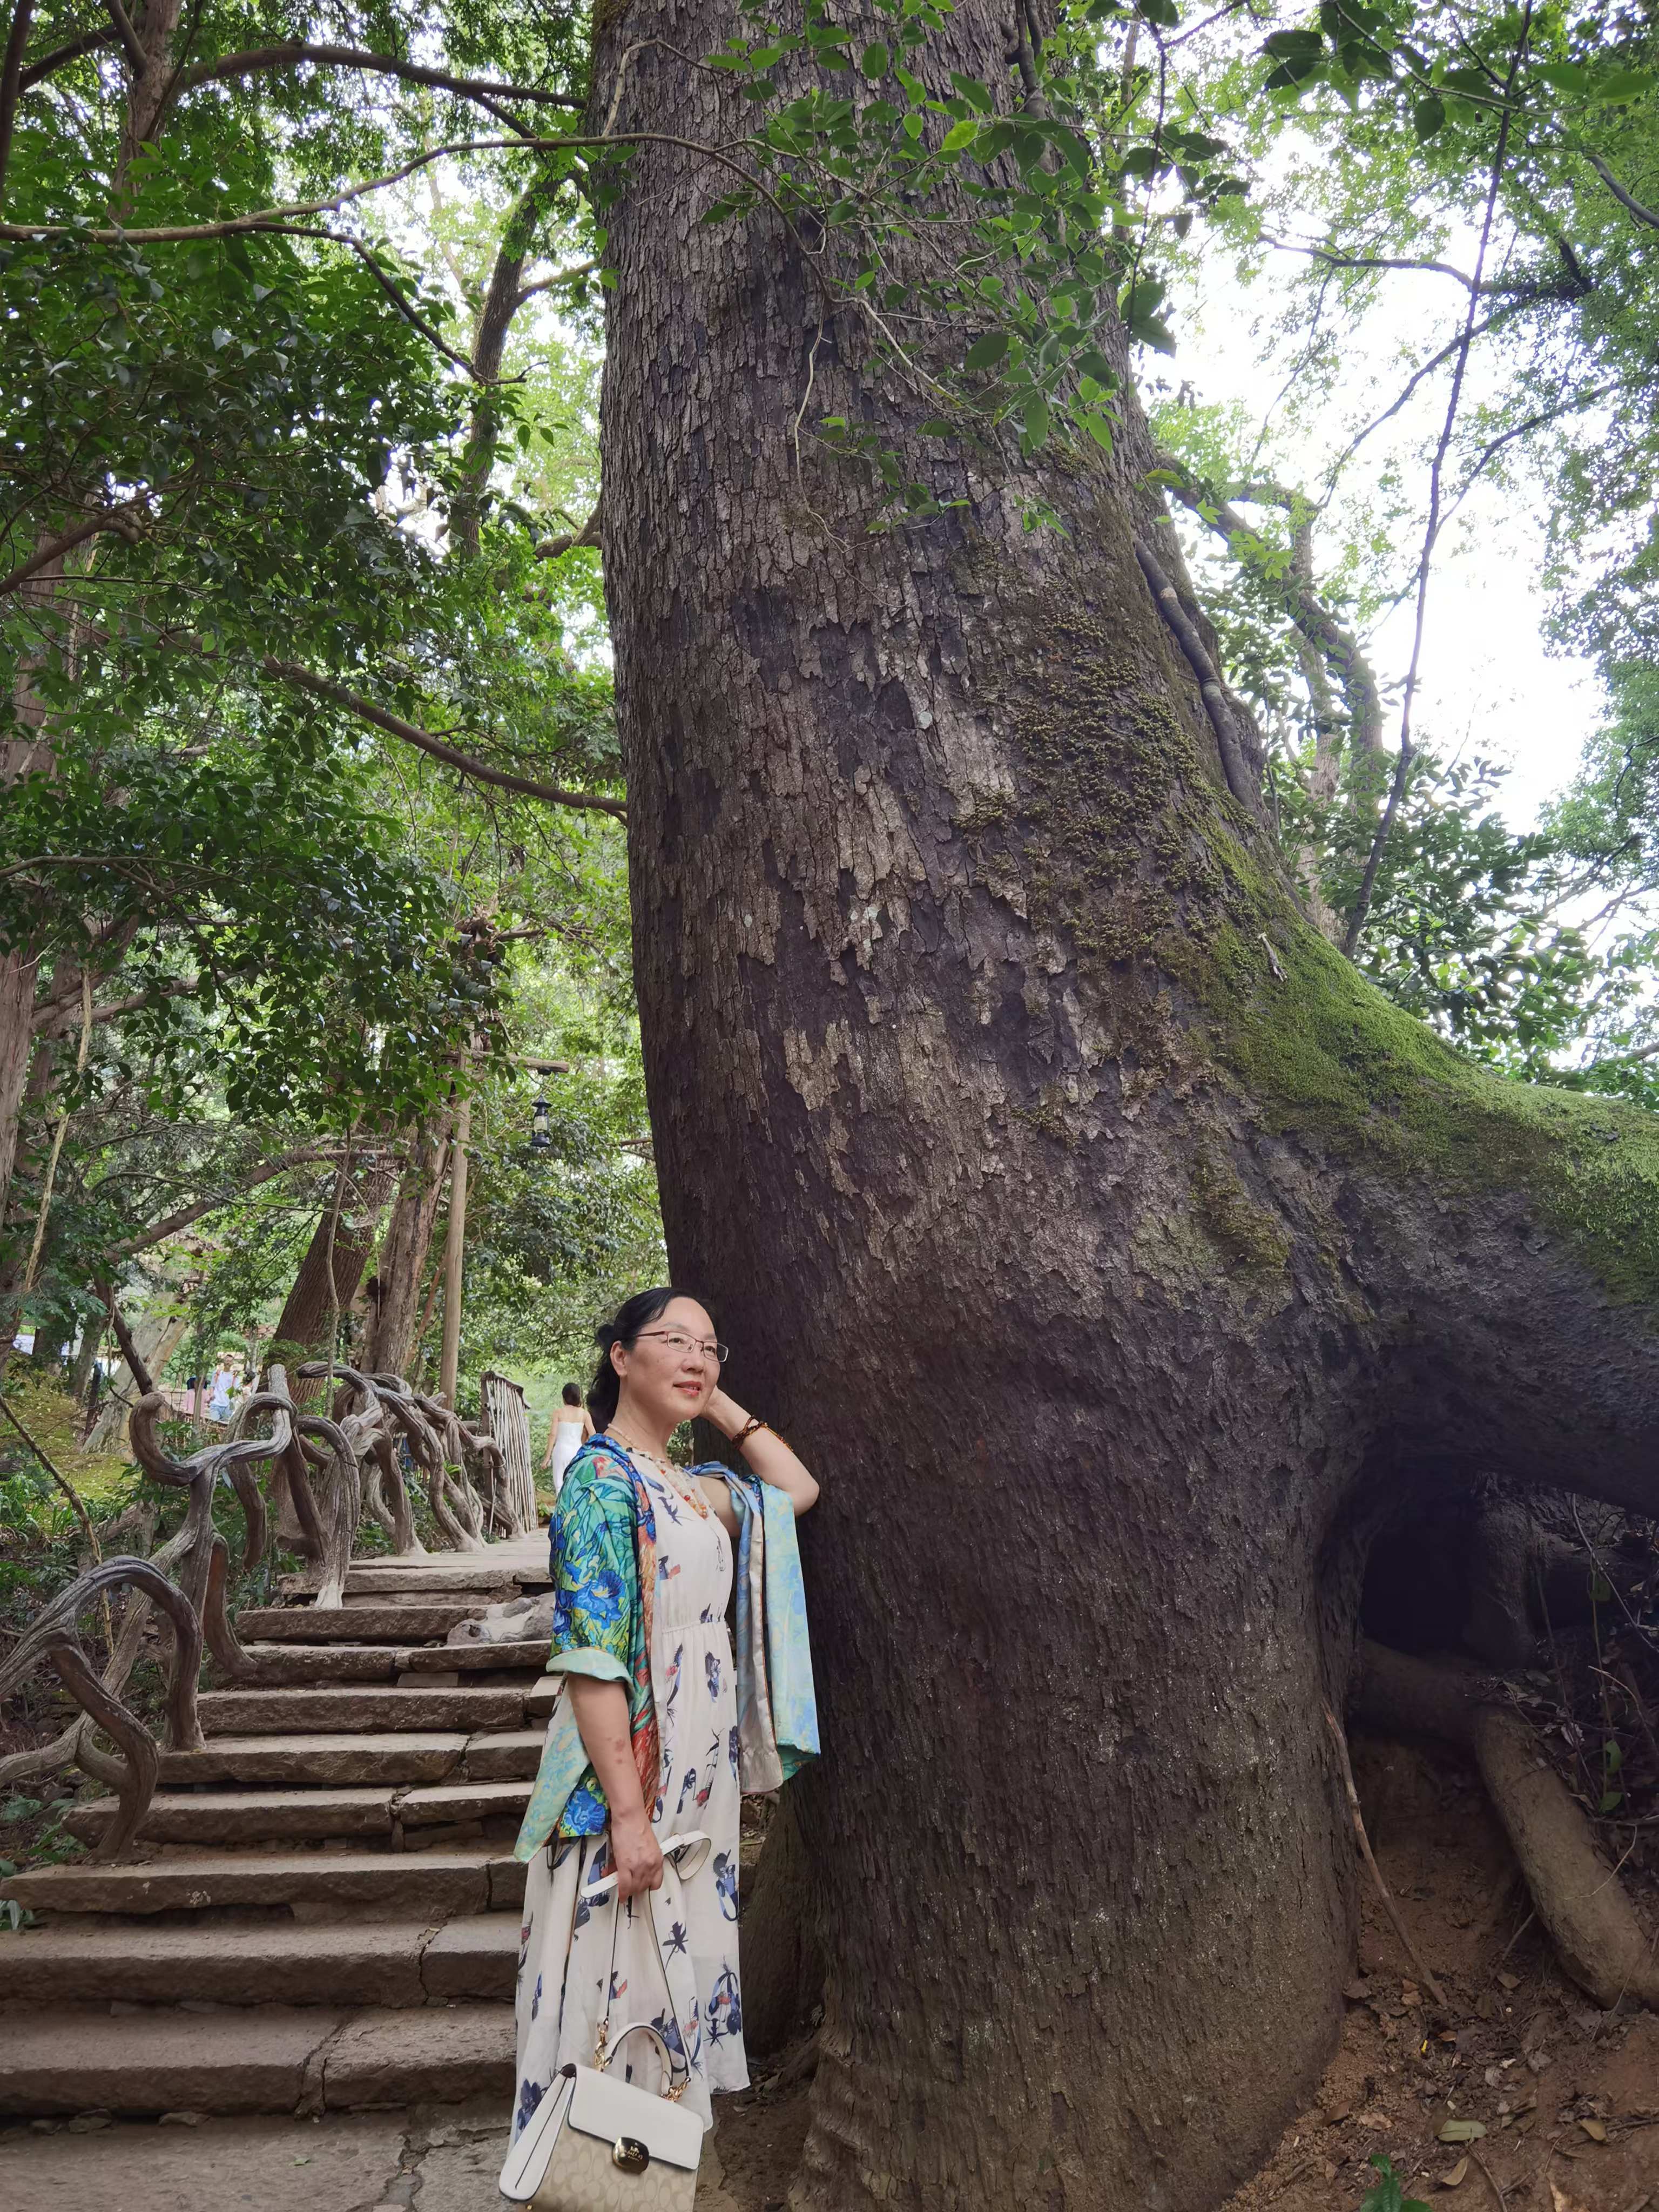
(665, 1372)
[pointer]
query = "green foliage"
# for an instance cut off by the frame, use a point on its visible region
(1386, 2193)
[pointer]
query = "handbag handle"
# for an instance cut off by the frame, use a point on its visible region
(698, 1844)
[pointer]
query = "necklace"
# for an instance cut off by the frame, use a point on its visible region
(678, 1480)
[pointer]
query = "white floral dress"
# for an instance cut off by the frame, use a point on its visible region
(566, 1941)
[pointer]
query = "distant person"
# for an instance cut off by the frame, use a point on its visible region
(221, 1391)
(566, 1436)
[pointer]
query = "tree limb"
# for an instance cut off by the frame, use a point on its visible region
(186, 1214)
(128, 38)
(320, 687)
(552, 283)
(11, 70)
(89, 42)
(256, 59)
(551, 548)
(58, 1015)
(130, 1351)
(118, 519)
(1626, 199)
(1168, 600)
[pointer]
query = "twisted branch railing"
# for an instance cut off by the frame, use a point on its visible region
(352, 1454)
(53, 1638)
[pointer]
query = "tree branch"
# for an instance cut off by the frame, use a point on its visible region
(552, 283)
(256, 59)
(551, 548)
(89, 42)
(1626, 199)
(58, 1016)
(11, 70)
(130, 1351)
(321, 687)
(186, 1214)
(129, 40)
(117, 518)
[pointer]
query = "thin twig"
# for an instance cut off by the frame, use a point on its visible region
(1432, 532)
(1492, 2179)
(62, 1480)
(1389, 1905)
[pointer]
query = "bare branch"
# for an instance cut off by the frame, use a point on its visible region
(553, 282)
(120, 520)
(1626, 199)
(258, 59)
(89, 42)
(186, 1214)
(57, 1016)
(551, 548)
(1323, 253)
(321, 687)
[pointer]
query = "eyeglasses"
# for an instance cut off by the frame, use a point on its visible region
(704, 1346)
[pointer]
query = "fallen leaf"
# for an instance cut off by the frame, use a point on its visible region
(1356, 1992)
(1511, 1981)
(1454, 2178)
(1461, 2130)
(1594, 2130)
(1559, 2198)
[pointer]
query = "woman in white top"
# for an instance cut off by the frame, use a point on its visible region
(566, 1436)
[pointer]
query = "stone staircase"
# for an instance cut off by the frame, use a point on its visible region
(320, 1911)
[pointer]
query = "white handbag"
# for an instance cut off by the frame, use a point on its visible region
(595, 2144)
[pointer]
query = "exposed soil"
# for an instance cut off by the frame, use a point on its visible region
(1569, 2096)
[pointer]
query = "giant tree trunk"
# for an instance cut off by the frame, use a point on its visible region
(1112, 1248)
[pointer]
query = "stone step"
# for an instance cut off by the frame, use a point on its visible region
(325, 1761)
(355, 1706)
(274, 2059)
(475, 1658)
(246, 1816)
(355, 1623)
(375, 1962)
(278, 1665)
(259, 1816)
(439, 1579)
(512, 1755)
(435, 1884)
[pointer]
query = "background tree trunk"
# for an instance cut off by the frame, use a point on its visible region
(390, 1337)
(1115, 1253)
(309, 1304)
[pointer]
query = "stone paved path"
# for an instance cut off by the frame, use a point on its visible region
(320, 1914)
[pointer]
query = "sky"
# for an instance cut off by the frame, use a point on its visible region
(1489, 682)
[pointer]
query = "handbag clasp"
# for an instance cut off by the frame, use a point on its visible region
(629, 2152)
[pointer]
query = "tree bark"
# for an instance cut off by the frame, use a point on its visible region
(389, 1337)
(309, 1304)
(1112, 1248)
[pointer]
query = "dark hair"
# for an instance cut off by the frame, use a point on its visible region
(631, 1317)
(572, 1395)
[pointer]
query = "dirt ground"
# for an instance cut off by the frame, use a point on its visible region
(1568, 2096)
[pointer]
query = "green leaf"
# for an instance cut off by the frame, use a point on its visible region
(1611, 1800)
(1565, 77)
(1098, 426)
(1623, 84)
(986, 352)
(875, 61)
(958, 136)
(1428, 116)
(1034, 418)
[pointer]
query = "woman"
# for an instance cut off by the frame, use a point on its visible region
(659, 1730)
(566, 1436)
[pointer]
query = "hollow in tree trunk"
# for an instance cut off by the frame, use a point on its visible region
(1112, 1248)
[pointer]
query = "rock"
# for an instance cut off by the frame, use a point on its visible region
(181, 2119)
(88, 2124)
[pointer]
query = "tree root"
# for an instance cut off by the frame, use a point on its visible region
(1578, 1899)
